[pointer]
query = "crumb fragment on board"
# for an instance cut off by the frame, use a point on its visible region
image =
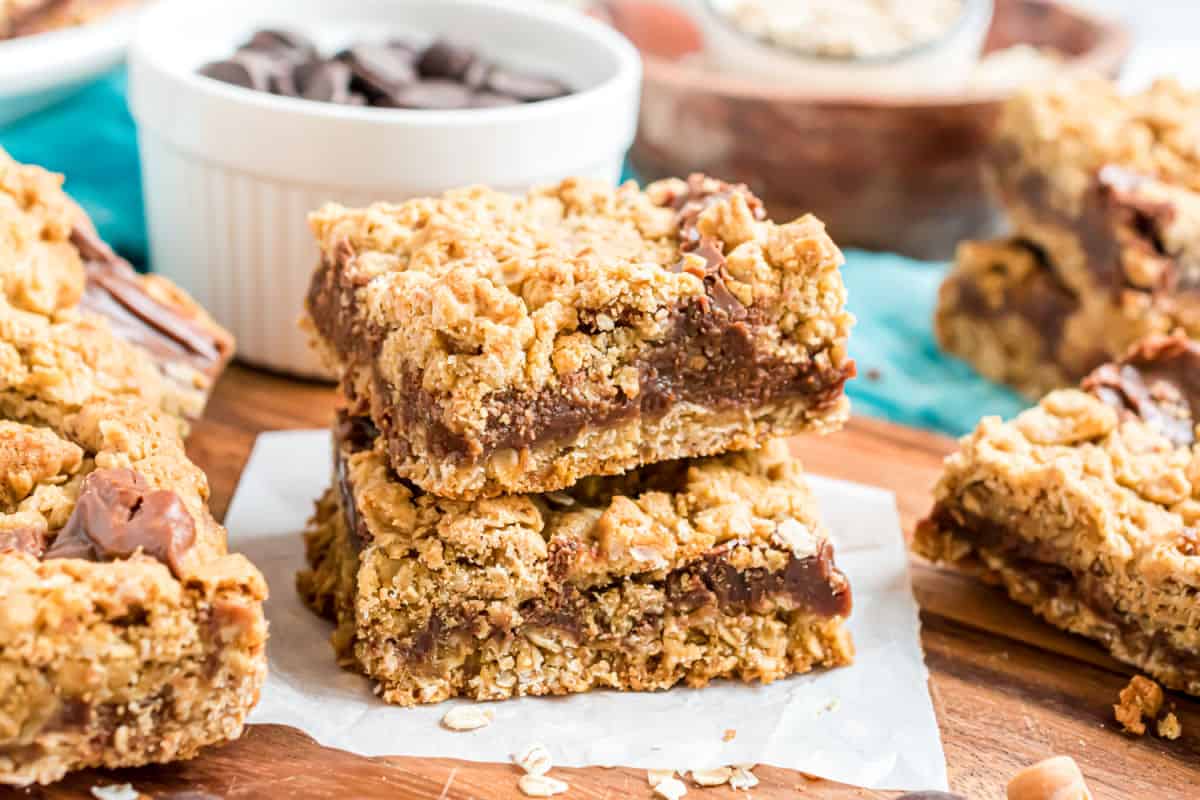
(1140, 700)
(729, 735)
(1169, 727)
(468, 718)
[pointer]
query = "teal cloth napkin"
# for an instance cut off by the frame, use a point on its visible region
(90, 138)
(903, 376)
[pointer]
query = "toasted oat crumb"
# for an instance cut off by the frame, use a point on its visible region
(1142, 698)
(116, 791)
(1169, 727)
(534, 759)
(468, 718)
(541, 786)
(729, 735)
(670, 789)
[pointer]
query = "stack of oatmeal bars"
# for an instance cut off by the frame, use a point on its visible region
(558, 464)
(1103, 193)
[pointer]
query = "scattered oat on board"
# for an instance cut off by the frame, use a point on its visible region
(541, 786)
(711, 777)
(670, 789)
(742, 778)
(468, 718)
(534, 759)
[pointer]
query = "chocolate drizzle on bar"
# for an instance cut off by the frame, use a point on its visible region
(1158, 382)
(115, 291)
(118, 514)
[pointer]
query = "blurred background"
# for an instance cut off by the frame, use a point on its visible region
(886, 151)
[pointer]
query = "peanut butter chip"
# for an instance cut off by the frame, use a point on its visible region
(1055, 778)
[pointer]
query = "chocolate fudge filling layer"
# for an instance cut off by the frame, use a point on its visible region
(812, 584)
(708, 359)
(115, 291)
(1036, 561)
(1158, 382)
(1040, 299)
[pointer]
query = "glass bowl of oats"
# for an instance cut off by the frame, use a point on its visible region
(848, 46)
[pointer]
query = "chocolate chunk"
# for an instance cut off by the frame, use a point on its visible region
(1158, 382)
(396, 73)
(118, 514)
(329, 82)
(431, 95)
(115, 291)
(446, 59)
(281, 40)
(476, 76)
(23, 540)
(524, 86)
(490, 100)
(246, 72)
(379, 69)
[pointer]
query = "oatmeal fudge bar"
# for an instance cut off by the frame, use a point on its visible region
(52, 260)
(683, 571)
(1085, 508)
(128, 635)
(1108, 185)
(1006, 310)
(517, 344)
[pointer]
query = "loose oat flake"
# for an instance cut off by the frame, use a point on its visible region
(116, 791)
(534, 760)
(657, 776)
(541, 786)
(468, 718)
(670, 789)
(711, 777)
(742, 778)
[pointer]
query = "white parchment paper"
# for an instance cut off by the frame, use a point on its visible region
(871, 724)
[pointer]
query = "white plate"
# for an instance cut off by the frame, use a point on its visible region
(38, 71)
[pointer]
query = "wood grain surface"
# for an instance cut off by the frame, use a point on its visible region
(1008, 689)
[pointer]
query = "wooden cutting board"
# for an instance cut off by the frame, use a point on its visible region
(1008, 689)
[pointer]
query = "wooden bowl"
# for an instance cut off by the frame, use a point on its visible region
(899, 174)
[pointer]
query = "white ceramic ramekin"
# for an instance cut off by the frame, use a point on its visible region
(230, 174)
